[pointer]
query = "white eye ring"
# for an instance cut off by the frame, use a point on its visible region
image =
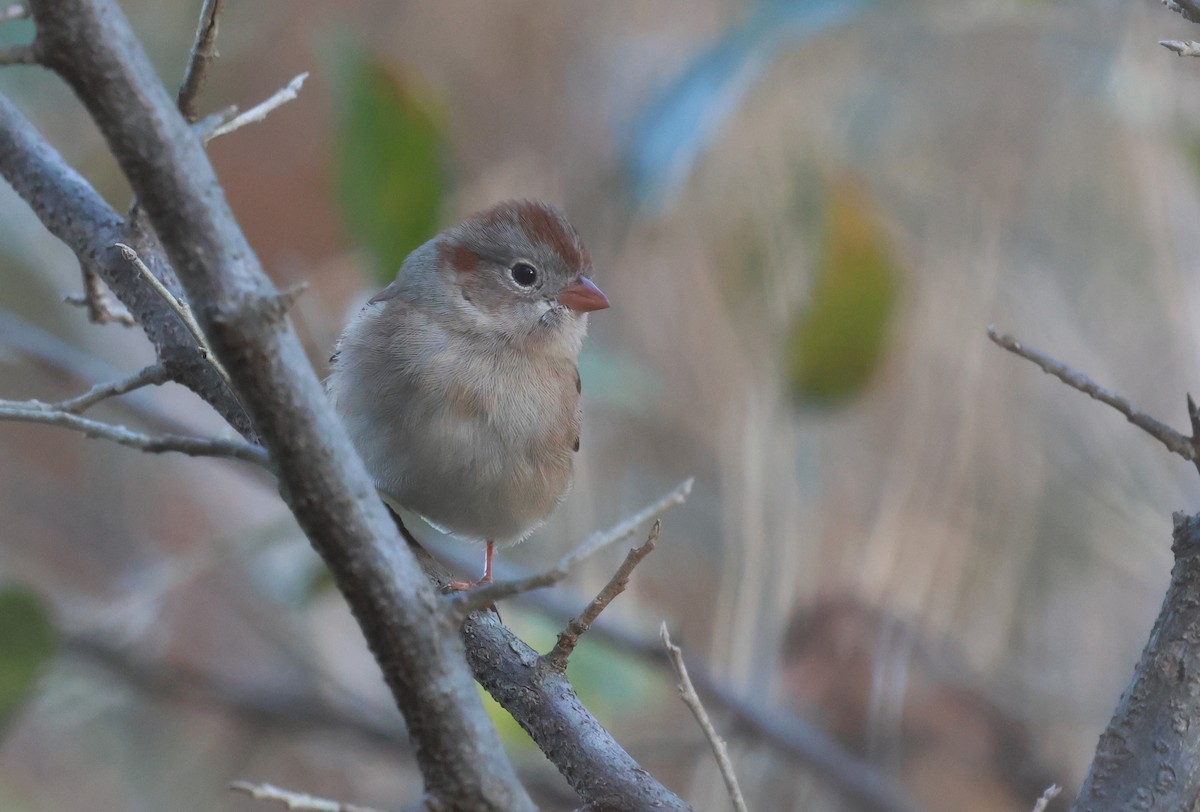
(523, 274)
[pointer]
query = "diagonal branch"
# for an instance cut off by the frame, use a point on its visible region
(1175, 442)
(90, 45)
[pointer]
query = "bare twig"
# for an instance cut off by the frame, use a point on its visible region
(569, 638)
(37, 412)
(485, 596)
(687, 692)
(102, 307)
(204, 53)
(260, 111)
(16, 11)
(180, 307)
(1049, 795)
(1181, 47)
(18, 55)
(153, 375)
(1173, 440)
(295, 800)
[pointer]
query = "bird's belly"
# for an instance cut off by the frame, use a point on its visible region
(463, 473)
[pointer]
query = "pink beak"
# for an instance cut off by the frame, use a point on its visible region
(583, 296)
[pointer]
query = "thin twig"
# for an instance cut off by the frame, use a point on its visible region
(484, 596)
(1173, 440)
(102, 307)
(1050, 794)
(1181, 47)
(46, 414)
(179, 306)
(153, 375)
(204, 53)
(295, 800)
(16, 11)
(687, 692)
(18, 55)
(260, 111)
(569, 638)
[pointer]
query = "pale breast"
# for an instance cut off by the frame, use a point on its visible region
(479, 443)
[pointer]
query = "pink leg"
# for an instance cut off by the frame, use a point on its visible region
(463, 586)
(487, 565)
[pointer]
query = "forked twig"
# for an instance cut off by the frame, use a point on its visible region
(485, 596)
(569, 638)
(687, 692)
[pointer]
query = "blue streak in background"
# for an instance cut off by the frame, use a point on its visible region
(683, 119)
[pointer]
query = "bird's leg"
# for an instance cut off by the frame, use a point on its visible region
(487, 563)
(486, 578)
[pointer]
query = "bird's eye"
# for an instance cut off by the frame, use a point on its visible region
(523, 274)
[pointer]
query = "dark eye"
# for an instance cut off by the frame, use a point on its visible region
(523, 274)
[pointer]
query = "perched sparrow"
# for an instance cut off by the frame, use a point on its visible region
(458, 381)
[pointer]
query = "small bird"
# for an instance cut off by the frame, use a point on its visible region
(458, 382)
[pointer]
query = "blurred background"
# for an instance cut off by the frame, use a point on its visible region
(805, 213)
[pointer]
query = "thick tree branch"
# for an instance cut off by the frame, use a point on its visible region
(1149, 756)
(92, 47)
(542, 700)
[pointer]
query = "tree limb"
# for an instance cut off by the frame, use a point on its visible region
(1148, 755)
(322, 479)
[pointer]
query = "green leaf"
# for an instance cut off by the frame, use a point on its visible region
(837, 342)
(27, 642)
(389, 162)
